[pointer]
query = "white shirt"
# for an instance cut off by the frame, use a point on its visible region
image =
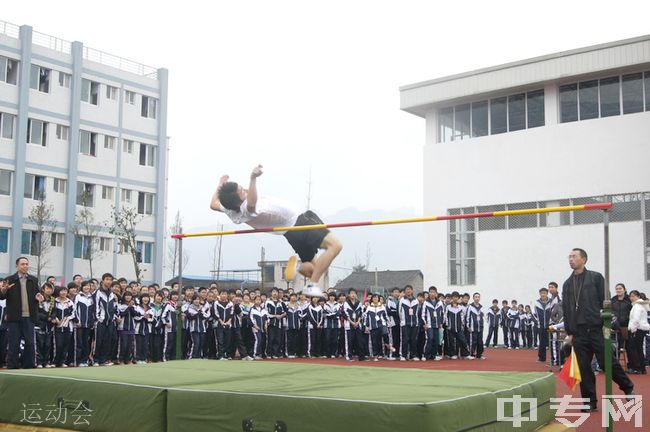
(269, 213)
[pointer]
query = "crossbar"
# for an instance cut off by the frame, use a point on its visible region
(603, 206)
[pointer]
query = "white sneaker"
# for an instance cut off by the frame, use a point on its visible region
(415, 359)
(390, 358)
(96, 364)
(83, 365)
(424, 359)
(437, 358)
(313, 291)
(470, 357)
(64, 365)
(454, 357)
(39, 367)
(291, 357)
(402, 359)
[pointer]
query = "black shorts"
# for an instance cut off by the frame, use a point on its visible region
(307, 242)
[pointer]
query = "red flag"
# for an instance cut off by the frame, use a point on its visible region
(570, 372)
(365, 296)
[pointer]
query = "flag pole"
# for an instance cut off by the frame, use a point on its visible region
(606, 314)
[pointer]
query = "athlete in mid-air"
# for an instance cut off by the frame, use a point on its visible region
(246, 206)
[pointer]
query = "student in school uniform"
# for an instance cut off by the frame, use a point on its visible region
(85, 313)
(259, 323)
(392, 310)
(186, 340)
(223, 314)
(144, 318)
(432, 319)
(513, 325)
(237, 339)
(332, 311)
(341, 299)
(126, 310)
(246, 329)
(505, 328)
(542, 312)
(353, 311)
(315, 320)
(303, 304)
(157, 328)
(375, 323)
(194, 319)
(408, 307)
(455, 319)
(294, 321)
(528, 322)
(44, 329)
(168, 319)
(493, 317)
(105, 302)
(63, 319)
(475, 322)
(421, 334)
(275, 310)
(210, 345)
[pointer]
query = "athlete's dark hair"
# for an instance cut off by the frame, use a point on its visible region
(228, 196)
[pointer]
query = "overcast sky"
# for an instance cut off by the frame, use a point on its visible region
(304, 86)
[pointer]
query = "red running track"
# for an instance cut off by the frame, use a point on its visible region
(523, 360)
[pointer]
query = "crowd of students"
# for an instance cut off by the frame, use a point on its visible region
(112, 321)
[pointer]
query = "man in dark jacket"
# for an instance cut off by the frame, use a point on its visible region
(22, 295)
(621, 307)
(582, 298)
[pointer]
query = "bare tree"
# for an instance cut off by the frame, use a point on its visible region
(216, 257)
(172, 247)
(87, 232)
(124, 221)
(42, 216)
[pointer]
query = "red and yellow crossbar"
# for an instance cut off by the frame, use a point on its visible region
(604, 206)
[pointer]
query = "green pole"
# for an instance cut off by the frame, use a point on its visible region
(606, 314)
(179, 321)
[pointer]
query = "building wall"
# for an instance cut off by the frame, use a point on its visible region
(62, 159)
(603, 156)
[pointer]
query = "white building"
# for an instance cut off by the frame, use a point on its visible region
(571, 127)
(74, 119)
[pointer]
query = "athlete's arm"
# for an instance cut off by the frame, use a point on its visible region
(251, 198)
(214, 203)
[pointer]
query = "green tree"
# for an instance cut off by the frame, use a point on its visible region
(124, 222)
(42, 216)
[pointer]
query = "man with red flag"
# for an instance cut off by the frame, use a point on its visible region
(583, 294)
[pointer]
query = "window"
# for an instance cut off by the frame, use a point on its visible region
(646, 85)
(5, 182)
(461, 122)
(85, 194)
(145, 203)
(516, 112)
(556, 218)
(30, 243)
(60, 185)
(123, 247)
(88, 143)
(82, 246)
(269, 273)
(34, 187)
(111, 92)
(148, 107)
(627, 208)
(126, 195)
(39, 78)
(498, 115)
(109, 142)
(64, 79)
(108, 192)
(522, 221)
(62, 132)
(127, 146)
(568, 103)
(7, 122)
(105, 244)
(479, 119)
(8, 70)
(57, 239)
(535, 108)
(588, 99)
(491, 223)
(610, 103)
(90, 91)
(37, 132)
(632, 90)
(147, 155)
(4, 240)
(129, 97)
(445, 124)
(462, 249)
(145, 252)
(587, 217)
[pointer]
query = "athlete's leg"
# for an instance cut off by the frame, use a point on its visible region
(332, 247)
(306, 269)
